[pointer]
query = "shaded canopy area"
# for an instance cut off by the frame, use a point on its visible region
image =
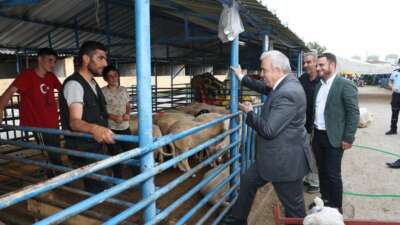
(182, 31)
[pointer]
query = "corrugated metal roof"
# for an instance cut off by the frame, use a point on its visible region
(28, 27)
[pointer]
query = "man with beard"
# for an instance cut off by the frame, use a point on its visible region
(309, 81)
(335, 125)
(83, 107)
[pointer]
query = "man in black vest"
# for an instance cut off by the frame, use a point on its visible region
(83, 108)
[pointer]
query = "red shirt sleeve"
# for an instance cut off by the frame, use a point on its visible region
(22, 81)
(56, 82)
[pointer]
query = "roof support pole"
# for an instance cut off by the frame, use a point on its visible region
(76, 31)
(299, 63)
(186, 23)
(49, 40)
(108, 31)
(156, 86)
(171, 76)
(234, 108)
(265, 48)
(18, 62)
(143, 66)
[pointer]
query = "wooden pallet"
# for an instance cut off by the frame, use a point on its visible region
(284, 220)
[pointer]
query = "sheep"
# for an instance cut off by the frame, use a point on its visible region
(182, 145)
(210, 186)
(321, 215)
(166, 119)
(196, 107)
(207, 117)
(158, 153)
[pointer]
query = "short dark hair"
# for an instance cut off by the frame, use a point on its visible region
(107, 69)
(47, 51)
(329, 56)
(88, 48)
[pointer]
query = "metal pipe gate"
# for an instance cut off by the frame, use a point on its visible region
(239, 158)
(37, 189)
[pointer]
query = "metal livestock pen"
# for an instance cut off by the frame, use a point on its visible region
(124, 202)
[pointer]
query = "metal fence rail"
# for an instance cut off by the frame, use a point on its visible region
(248, 136)
(246, 158)
(121, 185)
(162, 99)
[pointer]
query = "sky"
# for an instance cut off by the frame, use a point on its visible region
(345, 27)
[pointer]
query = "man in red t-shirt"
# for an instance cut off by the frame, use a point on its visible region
(38, 107)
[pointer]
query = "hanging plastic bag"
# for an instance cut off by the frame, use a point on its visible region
(230, 25)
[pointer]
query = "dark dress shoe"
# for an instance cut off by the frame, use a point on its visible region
(394, 165)
(230, 220)
(391, 132)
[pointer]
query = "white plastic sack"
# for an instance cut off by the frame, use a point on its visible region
(365, 118)
(230, 25)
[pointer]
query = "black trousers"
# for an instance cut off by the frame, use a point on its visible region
(90, 184)
(120, 147)
(289, 193)
(54, 158)
(329, 163)
(395, 110)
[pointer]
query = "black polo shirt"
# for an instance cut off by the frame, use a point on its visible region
(309, 88)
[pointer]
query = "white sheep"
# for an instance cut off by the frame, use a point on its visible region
(321, 215)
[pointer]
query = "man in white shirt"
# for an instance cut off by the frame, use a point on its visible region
(336, 118)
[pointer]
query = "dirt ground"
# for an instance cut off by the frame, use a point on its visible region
(363, 171)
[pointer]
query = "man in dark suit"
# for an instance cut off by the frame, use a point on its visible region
(335, 124)
(282, 152)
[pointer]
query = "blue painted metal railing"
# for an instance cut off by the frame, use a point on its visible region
(60, 168)
(88, 155)
(121, 185)
(117, 137)
(147, 146)
(234, 108)
(248, 141)
(143, 62)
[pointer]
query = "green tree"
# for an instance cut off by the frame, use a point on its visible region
(317, 47)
